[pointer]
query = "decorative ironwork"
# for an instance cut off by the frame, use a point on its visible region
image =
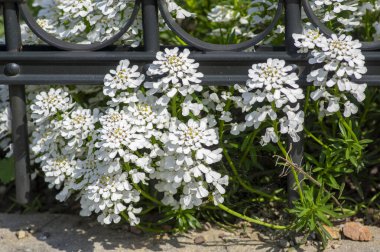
(51, 40)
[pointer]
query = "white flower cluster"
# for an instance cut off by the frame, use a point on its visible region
(5, 122)
(345, 12)
(102, 154)
(258, 13)
(271, 90)
(185, 164)
(69, 147)
(179, 75)
(338, 60)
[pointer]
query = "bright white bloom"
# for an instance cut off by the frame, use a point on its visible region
(184, 138)
(108, 196)
(49, 103)
(122, 79)
(57, 170)
(78, 125)
(118, 139)
(147, 117)
(342, 61)
(271, 89)
(179, 75)
(188, 106)
(292, 123)
(92, 21)
(185, 168)
(270, 136)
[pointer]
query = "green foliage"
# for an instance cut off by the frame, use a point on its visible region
(6, 170)
(183, 220)
(312, 212)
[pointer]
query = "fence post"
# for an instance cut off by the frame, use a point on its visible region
(18, 106)
(150, 26)
(293, 24)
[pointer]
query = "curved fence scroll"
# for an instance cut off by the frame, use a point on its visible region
(60, 44)
(201, 45)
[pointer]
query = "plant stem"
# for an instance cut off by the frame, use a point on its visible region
(252, 138)
(311, 135)
(295, 175)
(146, 195)
(246, 218)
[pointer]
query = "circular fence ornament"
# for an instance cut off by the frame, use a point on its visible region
(64, 45)
(201, 45)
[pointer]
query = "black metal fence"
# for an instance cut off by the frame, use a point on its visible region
(61, 63)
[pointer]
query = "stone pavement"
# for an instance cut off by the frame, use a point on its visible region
(57, 232)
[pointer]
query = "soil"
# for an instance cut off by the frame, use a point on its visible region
(60, 232)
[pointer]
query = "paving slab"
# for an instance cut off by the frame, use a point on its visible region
(59, 232)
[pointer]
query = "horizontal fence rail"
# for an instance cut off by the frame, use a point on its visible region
(63, 63)
(220, 68)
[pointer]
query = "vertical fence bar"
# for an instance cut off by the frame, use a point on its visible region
(151, 38)
(150, 25)
(18, 106)
(293, 24)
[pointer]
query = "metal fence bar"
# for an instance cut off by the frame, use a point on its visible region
(150, 25)
(293, 24)
(18, 107)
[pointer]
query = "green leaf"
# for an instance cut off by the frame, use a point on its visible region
(333, 183)
(6, 170)
(323, 218)
(343, 130)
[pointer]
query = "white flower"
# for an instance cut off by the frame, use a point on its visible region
(307, 40)
(108, 196)
(5, 121)
(77, 126)
(184, 167)
(341, 61)
(269, 136)
(193, 136)
(188, 106)
(292, 124)
(274, 77)
(118, 139)
(147, 116)
(271, 89)
(349, 109)
(179, 75)
(57, 170)
(121, 79)
(258, 116)
(47, 104)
